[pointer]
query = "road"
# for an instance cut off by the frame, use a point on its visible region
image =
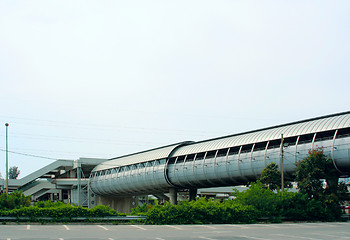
(292, 231)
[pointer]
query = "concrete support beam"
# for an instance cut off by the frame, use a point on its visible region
(173, 196)
(193, 194)
(122, 205)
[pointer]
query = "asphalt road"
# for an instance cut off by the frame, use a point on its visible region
(194, 232)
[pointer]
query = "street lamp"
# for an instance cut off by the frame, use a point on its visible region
(7, 160)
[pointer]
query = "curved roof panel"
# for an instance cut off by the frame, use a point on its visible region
(330, 122)
(149, 155)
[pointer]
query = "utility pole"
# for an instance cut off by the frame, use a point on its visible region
(7, 160)
(282, 166)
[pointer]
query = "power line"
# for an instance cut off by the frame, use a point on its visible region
(28, 155)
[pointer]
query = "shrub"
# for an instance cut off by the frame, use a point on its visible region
(14, 200)
(200, 211)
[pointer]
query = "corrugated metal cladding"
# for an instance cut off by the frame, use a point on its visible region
(150, 155)
(332, 122)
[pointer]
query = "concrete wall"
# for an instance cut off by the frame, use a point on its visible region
(122, 205)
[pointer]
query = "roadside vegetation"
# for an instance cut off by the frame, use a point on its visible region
(18, 206)
(262, 201)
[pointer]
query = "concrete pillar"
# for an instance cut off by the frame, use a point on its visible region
(193, 194)
(173, 196)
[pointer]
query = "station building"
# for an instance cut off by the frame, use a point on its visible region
(189, 168)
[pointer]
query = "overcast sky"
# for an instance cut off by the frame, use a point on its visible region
(108, 78)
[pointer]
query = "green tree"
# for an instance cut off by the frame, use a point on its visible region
(311, 173)
(271, 177)
(14, 172)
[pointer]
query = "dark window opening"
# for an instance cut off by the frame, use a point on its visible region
(260, 146)
(200, 156)
(211, 154)
(180, 159)
(171, 160)
(274, 144)
(246, 148)
(290, 141)
(222, 152)
(343, 132)
(190, 158)
(327, 135)
(307, 138)
(234, 150)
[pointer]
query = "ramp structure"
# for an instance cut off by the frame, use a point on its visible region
(225, 161)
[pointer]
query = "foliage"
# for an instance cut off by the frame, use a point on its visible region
(197, 212)
(271, 176)
(294, 206)
(14, 200)
(14, 172)
(59, 212)
(309, 174)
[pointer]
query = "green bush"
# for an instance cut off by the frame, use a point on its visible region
(197, 212)
(59, 212)
(14, 200)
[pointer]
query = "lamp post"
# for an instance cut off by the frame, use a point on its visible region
(7, 160)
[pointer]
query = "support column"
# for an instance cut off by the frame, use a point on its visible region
(173, 196)
(193, 194)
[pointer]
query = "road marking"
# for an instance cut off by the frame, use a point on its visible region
(28, 227)
(110, 239)
(8, 238)
(243, 236)
(138, 227)
(60, 239)
(103, 227)
(65, 226)
(160, 238)
(207, 238)
(174, 227)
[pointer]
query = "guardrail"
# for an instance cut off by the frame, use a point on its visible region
(110, 218)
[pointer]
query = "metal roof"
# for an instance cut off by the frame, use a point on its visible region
(149, 155)
(330, 122)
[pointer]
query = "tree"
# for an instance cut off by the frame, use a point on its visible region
(14, 172)
(271, 177)
(312, 170)
(311, 173)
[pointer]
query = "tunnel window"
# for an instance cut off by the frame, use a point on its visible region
(200, 156)
(307, 138)
(290, 141)
(190, 158)
(322, 136)
(222, 152)
(260, 146)
(274, 144)
(234, 150)
(247, 148)
(180, 159)
(172, 160)
(211, 154)
(343, 132)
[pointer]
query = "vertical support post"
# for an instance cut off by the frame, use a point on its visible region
(173, 196)
(282, 166)
(193, 194)
(7, 160)
(79, 182)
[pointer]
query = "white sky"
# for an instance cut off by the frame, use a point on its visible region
(108, 78)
